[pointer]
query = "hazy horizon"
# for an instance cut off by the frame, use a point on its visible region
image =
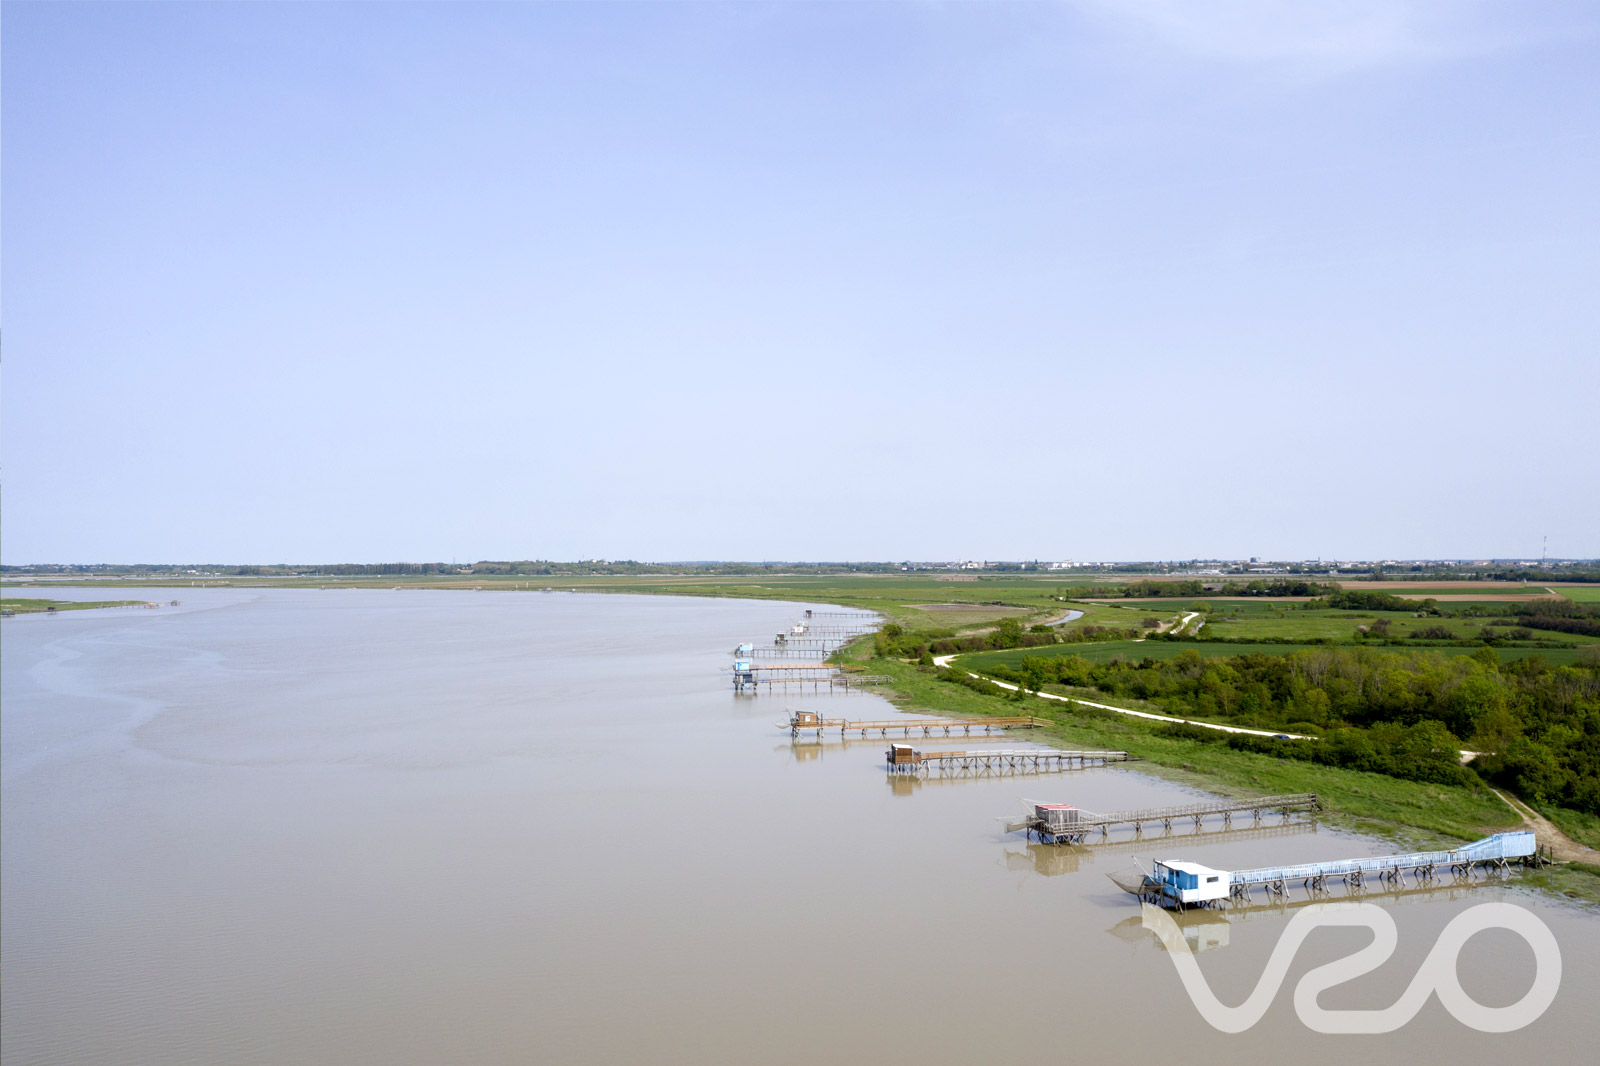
(1042, 562)
(835, 281)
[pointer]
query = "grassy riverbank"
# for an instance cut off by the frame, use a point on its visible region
(24, 605)
(1415, 812)
(1410, 813)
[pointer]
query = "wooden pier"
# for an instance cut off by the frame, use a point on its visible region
(827, 644)
(750, 677)
(1493, 853)
(904, 759)
(791, 651)
(1179, 883)
(810, 721)
(1051, 860)
(1059, 823)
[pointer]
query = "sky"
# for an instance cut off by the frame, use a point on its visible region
(871, 281)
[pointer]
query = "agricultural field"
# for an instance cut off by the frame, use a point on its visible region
(1446, 588)
(957, 615)
(1342, 626)
(1581, 593)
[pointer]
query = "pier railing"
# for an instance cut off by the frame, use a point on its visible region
(1495, 850)
(809, 721)
(1074, 825)
(1014, 761)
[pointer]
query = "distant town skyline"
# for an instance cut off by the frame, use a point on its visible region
(829, 281)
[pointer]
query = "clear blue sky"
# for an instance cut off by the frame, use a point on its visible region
(310, 282)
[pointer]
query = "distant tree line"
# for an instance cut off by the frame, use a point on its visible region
(1560, 616)
(894, 641)
(1342, 600)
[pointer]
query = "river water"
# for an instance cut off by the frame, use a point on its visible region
(424, 826)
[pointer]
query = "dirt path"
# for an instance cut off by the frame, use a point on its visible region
(1176, 627)
(944, 660)
(1136, 714)
(1562, 846)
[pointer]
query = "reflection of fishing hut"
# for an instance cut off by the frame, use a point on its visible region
(1203, 930)
(1046, 860)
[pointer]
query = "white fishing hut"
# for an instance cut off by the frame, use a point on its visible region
(1189, 882)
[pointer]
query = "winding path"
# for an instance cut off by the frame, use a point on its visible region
(944, 660)
(1563, 847)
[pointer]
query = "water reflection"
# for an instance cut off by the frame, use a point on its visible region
(910, 784)
(810, 749)
(1052, 860)
(1202, 929)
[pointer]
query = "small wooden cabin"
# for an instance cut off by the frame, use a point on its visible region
(903, 755)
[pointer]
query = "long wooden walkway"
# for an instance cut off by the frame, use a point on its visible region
(1061, 824)
(903, 760)
(811, 722)
(1052, 860)
(816, 677)
(1495, 852)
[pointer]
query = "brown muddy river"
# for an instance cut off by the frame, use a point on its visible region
(301, 826)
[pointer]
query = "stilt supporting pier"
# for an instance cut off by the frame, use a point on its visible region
(903, 759)
(1061, 824)
(811, 722)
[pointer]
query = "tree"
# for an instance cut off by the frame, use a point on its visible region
(1007, 634)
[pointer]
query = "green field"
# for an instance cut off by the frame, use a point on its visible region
(1581, 593)
(1342, 626)
(1292, 625)
(1244, 608)
(1501, 606)
(1476, 588)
